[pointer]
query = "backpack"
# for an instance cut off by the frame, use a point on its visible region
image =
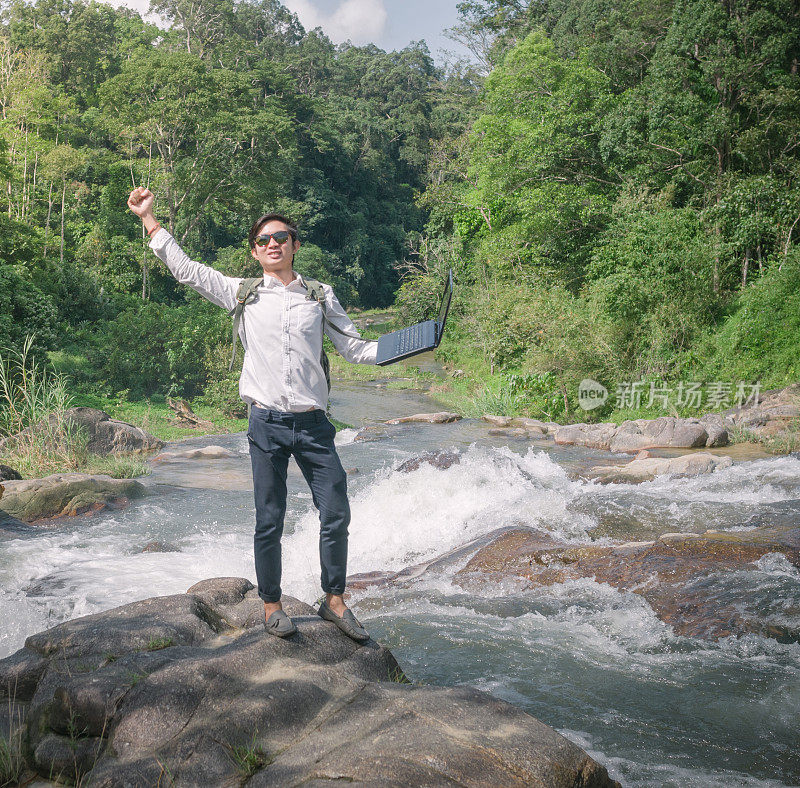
(247, 293)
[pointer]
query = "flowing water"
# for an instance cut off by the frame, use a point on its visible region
(593, 662)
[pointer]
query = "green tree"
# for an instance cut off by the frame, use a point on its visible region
(541, 188)
(207, 134)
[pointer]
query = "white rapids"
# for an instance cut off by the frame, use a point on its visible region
(595, 663)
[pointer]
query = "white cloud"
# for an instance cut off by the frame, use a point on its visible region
(142, 6)
(360, 21)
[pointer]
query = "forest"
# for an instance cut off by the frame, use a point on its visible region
(616, 186)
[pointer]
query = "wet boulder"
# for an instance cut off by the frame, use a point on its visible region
(12, 527)
(498, 421)
(593, 436)
(664, 432)
(438, 459)
(442, 417)
(66, 494)
(646, 468)
(371, 433)
(532, 427)
(203, 453)
(160, 547)
(696, 583)
(189, 689)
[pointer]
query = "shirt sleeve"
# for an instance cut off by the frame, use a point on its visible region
(210, 283)
(356, 351)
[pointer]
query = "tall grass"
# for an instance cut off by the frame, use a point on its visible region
(12, 762)
(38, 439)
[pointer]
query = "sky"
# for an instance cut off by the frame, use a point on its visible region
(391, 24)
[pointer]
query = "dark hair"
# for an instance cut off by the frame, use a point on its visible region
(271, 217)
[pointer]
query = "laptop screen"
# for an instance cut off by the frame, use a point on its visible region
(446, 297)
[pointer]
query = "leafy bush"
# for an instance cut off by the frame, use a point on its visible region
(223, 393)
(760, 339)
(418, 298)
(652, 276)
(27, 312)
(154, 348)
(539, 395)
(540, 330)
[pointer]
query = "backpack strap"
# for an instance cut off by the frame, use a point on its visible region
(317, 293)
(244, 295)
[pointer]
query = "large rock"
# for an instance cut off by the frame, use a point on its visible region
(11, 526)
(106, 435)
(65, 494)
(442, 417)
(717, 430)
(498, 421)
(665, 432)
(678, 574)
(532, 426)
(647, 468)
(189, 690)
(594, 436)
(775, 413)
(212, 452)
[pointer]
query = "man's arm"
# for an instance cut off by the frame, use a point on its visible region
(210, 283)
(356, 351)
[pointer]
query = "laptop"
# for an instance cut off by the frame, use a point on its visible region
(418, 338)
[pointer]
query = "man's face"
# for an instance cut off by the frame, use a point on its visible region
(275, 257)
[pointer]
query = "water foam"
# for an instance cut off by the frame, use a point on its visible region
(79, 569)
(404, 518)
(643, 773)
(345, 437)
(777, 564)
(754, 482)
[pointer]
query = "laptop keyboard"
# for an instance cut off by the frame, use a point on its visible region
(409, 339)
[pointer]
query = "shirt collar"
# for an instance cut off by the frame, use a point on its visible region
(271, 281)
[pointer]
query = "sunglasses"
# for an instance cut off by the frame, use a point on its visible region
(281, 237)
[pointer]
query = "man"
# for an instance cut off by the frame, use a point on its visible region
(283, 381)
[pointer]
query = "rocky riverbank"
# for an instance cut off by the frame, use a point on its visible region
(65, 495)
(69, 494)
(105, 434)
(680, 575)
(189, 689)
(775, 415)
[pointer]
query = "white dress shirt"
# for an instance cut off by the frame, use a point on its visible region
(281, 332)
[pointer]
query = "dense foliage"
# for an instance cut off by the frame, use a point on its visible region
(233, 111)
(624, 203)
(616, 185)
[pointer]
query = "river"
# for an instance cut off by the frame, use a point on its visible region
(595, 663)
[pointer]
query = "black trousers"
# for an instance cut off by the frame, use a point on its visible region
(274, 436)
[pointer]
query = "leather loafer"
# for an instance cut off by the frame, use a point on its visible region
(280, 625)
(348, 623)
